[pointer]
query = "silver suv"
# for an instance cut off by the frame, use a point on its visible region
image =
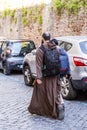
(76, 47)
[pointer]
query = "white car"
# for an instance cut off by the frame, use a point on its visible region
(76, 47)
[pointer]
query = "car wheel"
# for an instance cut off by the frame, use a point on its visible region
(6, 71)
(68, 91)
(28, 79)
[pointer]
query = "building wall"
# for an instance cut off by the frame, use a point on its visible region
(57, 25)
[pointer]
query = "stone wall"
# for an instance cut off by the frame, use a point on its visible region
(57, 25)
(70, 25)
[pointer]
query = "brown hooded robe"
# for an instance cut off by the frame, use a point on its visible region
(46, 95)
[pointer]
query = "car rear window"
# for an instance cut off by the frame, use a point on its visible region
(19, 48)
(65, 45)
(83, 46)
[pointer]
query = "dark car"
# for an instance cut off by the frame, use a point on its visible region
(12, 53)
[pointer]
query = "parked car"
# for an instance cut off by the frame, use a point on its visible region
(29, 68)
(12, 53)
(76, 47)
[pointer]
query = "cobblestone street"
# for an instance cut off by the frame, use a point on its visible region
(14, 100)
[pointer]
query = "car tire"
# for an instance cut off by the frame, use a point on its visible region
(28, 79)
(6, 71)
(68, 92)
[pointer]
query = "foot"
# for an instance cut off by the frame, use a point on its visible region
(61, 111)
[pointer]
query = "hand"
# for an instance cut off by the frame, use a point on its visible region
(39, 81)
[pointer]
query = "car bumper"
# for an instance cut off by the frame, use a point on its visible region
(80, 84)
(16, 67)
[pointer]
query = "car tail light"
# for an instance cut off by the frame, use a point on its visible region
(12, 63)
(85, 80)
(78, 61)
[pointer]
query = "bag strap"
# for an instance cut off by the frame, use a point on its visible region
(42, 48)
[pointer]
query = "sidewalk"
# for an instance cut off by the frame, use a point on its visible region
(14, 100)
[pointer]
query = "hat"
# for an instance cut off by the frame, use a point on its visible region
(54, 41)
(46, 36)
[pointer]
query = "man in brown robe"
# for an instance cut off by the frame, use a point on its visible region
(47, 90)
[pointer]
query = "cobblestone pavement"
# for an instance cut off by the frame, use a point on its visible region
(14, 100)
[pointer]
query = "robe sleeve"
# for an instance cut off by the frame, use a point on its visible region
(39, 63)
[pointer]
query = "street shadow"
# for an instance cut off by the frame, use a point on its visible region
(82, 96)
(15, 72)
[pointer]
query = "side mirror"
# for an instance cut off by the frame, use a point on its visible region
(34, 52)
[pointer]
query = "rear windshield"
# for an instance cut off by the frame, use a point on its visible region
(19, 48)
(83, 46)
